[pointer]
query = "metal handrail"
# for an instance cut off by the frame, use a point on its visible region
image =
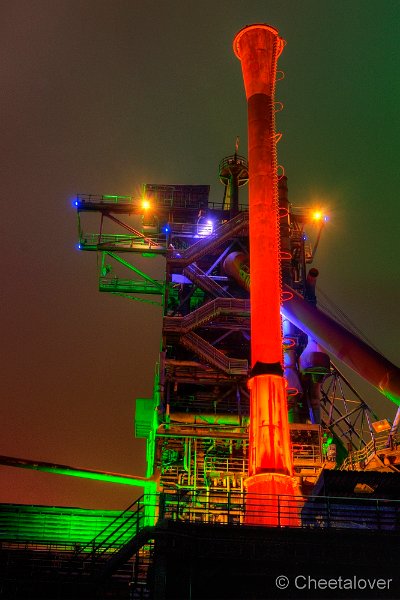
(205, 313)
(367, 452)
(94, 542)
(214, 239)
(210, 353)
(204, 282)
(188, 203)
(92, 239)
(225, 465)
(217, 506)
(105, 199)
(306, 452)
(273, 510)
(133, 286)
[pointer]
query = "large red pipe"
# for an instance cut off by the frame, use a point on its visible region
(333, 337)
(258, 48)
(270, 465)
(356, 354)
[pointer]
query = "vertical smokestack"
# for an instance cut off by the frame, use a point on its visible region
(270, 463)
(258, 48)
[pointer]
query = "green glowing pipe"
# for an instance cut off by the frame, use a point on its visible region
(36, 465)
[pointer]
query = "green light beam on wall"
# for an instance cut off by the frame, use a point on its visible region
(119, 478)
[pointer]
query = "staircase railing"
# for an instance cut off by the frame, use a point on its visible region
(204, 282)
(205, 313)
(141, 513)
(211, 241)
(368, 451)
(130, 286)
(232, 366)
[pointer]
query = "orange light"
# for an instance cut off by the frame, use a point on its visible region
(317, 215)
(145, 204)
(380, 426)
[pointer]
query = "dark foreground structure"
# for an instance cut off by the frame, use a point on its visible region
(343, 547)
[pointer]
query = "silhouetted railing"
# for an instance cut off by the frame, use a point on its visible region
(312, 512)
(212, 507)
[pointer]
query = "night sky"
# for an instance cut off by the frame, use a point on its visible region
(101, 96)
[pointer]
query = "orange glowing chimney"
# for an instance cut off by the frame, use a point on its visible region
(270, 463)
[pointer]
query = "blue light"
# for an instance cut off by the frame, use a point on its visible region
(166, 229)
(76, 202)
(326, 219)
(205, 228)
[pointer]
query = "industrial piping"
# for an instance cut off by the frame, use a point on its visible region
(333, 337)
(354, 352)
(270, 463)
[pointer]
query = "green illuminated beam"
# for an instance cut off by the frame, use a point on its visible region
(116, 198)
(130, 297)
(119, 478)
(137, 271)
(128, 286)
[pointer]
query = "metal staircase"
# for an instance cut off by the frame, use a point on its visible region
(115, 561)
(118, 541)
(205, 282)
(206, 313)
(231, 366)
(210, 242)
